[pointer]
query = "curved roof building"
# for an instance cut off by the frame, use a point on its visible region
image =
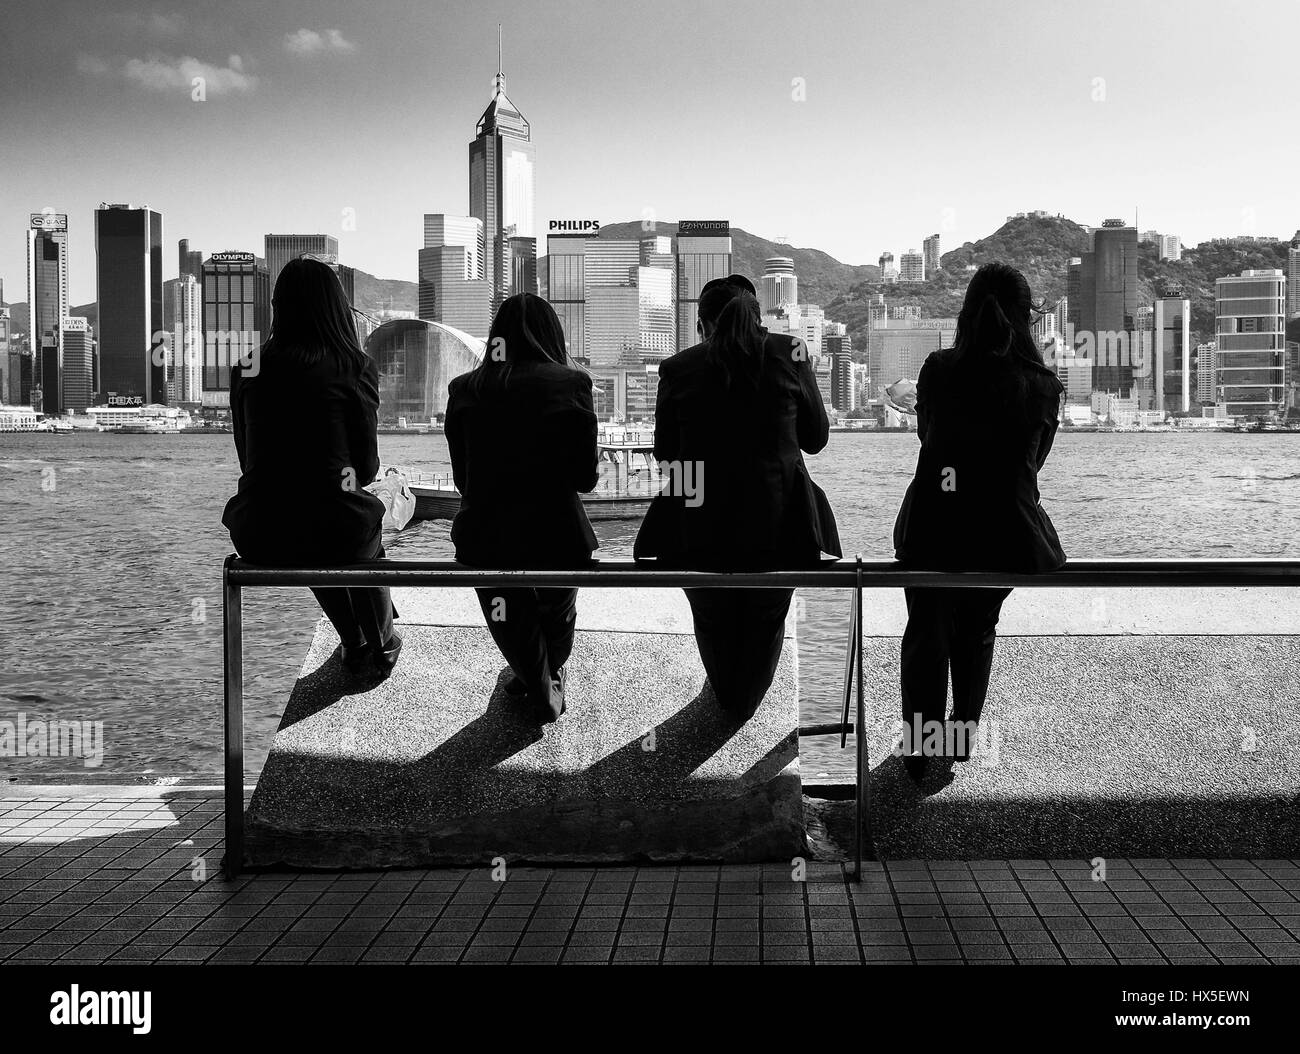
(417, 360)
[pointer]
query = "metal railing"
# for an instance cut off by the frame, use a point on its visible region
(853, 574)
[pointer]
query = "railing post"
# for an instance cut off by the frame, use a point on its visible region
(232, 628)
(861, 804)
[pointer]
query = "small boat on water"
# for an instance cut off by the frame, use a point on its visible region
(623, 493)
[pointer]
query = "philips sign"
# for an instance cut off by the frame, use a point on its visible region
(574, 226)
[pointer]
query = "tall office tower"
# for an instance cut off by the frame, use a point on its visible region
(898, 347)
(566, 288)
(1171, 247)
(453, 288)
(839, 349)
(78, 392)
(1171, 327)
(6, 365)
(1103, 292)
(779, 285)
(1250, 339)
(129, 287)
(47, 302)
(888, 272)
(1205, 374)
(1149, 238)
(930, 250)
(279, 249)
(502, 163)
(190, 260)
(657, 251)
(611, 261)
(236, 318)
(523, 265)
(1293, 281)
(703, 253)
(187, 338)
(656, 323)
(911, 267)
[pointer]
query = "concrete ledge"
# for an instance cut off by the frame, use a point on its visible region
(1105, 746)
(437, 767)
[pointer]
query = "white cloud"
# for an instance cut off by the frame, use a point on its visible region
(309, 42)
(163, 73)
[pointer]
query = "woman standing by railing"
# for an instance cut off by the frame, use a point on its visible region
(986, 414)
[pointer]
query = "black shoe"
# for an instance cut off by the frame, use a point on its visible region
(355, 658)
(514, 686)
(386, 657)
(914, 764)
(552, 709)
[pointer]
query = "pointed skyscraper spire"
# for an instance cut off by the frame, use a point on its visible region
(501, 77)
(501, 116)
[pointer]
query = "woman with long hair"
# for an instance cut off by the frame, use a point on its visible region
(987, 413)
(732, 416)
(305, 410)
(521, 430)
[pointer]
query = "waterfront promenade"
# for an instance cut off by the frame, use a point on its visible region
(123, 875)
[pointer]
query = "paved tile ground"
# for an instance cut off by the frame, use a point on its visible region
(120, 877)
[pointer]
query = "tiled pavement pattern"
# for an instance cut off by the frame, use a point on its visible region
(112, 878)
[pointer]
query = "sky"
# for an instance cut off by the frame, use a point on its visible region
(853, 127)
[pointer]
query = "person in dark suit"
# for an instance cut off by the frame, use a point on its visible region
(522, 434)
(732, 415)
(986, 412)
(305, 412)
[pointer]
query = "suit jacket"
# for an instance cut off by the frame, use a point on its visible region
(307, 445)
(522, 450)
(757, 507)
(973, 503)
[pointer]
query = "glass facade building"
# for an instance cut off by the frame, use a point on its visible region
(1103, 293)
(1171, 324)
(779, 286)
(417, 359)
(78, 391)
(279, 249)
(236, 318)
(703, 253)
(1250, 342)
(566, 288)
(47, 300)
(129, 286)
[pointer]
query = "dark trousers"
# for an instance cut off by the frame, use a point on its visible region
(533, 628)
(360, 614)
(740, 633)
(948, 628)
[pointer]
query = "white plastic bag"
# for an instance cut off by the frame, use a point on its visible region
(399, 502)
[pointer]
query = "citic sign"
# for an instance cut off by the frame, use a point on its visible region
(49, 221)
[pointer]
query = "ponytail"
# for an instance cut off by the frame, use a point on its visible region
(736, 343)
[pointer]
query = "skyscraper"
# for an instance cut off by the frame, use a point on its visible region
(888, 272)
(1205, 374)
(502, 160)
(452, 287)
(1171, 369)
(703, 253)
(187, 338)
(190, 260)
(1103, 292)
(839, 349)
(930, 250)
(78, 390)
(279, 249)
(911, 267)
(1250, 339)
(236, 318)
(1293, 281)
(129, 287)
(779, 285)
(7, 365)
(47, 303)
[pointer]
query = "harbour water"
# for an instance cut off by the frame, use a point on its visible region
(111, 550)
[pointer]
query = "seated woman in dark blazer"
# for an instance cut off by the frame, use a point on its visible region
(305, 413)
(986, 415)
(522, 434)
(732, 415)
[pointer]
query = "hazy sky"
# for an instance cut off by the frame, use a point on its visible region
(919, 116)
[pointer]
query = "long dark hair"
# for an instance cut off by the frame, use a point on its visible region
(735, 341)
(993, 325)
(526, 329)
(312, 319)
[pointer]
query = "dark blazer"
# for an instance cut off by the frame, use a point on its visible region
(307, 445)
(973, 503)
(522, 450)
(758, 506)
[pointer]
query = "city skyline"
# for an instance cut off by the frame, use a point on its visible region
(118, 123)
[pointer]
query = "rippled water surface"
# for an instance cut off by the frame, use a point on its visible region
(111, 549)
